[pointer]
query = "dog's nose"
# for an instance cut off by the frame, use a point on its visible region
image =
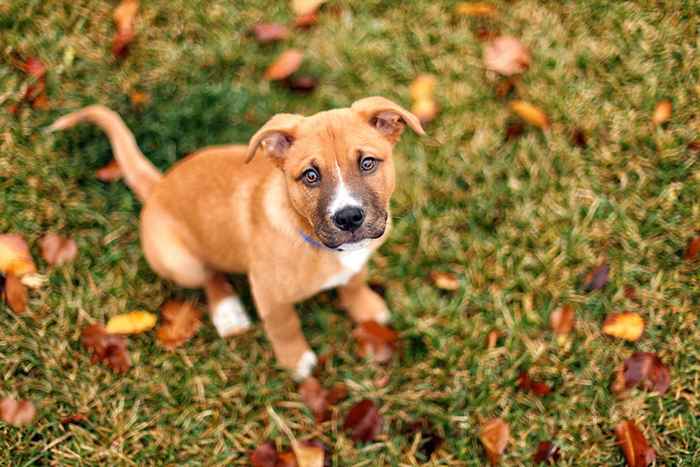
(349, 219)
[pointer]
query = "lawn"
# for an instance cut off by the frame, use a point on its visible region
(519, 220)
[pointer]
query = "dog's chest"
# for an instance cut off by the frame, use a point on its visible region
(351, 263)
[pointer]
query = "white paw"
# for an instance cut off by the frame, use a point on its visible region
(230, 317)
(306, 364)
(383, 317)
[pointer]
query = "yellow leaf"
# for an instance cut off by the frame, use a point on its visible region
(425, 109)
(134, 322)
(475, 9)
(530, 113)
(626, 325)
(422, 87)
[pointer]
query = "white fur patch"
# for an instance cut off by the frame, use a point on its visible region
(352, 262)
(306, 364)
(230, 317)
(383, 317)
(342, 198)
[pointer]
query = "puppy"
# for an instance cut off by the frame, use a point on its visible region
(298, 210)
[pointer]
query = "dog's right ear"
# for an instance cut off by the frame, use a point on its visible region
(276, 136)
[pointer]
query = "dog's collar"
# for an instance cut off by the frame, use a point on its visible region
(311, 241)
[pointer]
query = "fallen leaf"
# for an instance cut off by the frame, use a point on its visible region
(494, 435)
(562, 320)
(363, 422)
(110, 172)
(597, 278)
(15, 294)
(286, 459)
(57, 250)
(315, 398)
(139, 99)
(14, 255)
(630, 292)
(306, 21)
(530, 113)
(536, 387)
(124, 16)
(308, 455)
(179, 322)
(507, 56)
(304, 7)
(375, 341)
(644, 370)
(286, 63)
(693, 248)
(35, 94)
(634, 445)
(425, 109)
(475, 9)
(74, 419)
(134, 322)
(270, 32)
(547, 452)
(492, 339)
(627, 325)
(339, 392)
(514, 129)
(444, 280)
(302, 84)
(429, 440)
(694, 146)
(16, 413)
(662, 112)
(578, 138)
(423, 87)
(107, 348)
(264, 455)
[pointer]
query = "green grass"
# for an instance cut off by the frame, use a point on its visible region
(519, 221)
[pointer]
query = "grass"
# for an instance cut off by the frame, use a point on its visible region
(519, 221)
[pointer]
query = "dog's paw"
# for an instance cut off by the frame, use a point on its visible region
(229, 317)
(305, 366)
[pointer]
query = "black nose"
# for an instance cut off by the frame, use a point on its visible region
(349, 218)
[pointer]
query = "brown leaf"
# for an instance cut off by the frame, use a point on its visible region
(57, 250)
(264, 455)
(15, 294)
(107, 348)
(286, 64)
(14, 255)
(530, 113)
(562, 320)
(124, 16)
(306, 21)
(492, 339)
(477, 9)
(16, 413)
(375, 341)
(494, 435)
(270, 32)
(662, 112)
(693, 248)
(304, 7)
(308, 454)
(547, 452)
(444, 280)
(630, 292)
(363, 422)
(506, 55)
(74, 419)
(644, 370)
(315, 398)
(536, 387)
(627, 325)
(634, 445)
(339, 392)
(514, 129)
(694, 146)
(597, 278)
(180, 321)
(578, 138)
(302, 84)
(110, 172)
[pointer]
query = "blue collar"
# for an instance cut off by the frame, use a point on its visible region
(311, 241)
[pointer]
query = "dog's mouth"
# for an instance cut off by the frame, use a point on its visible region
(353, 242)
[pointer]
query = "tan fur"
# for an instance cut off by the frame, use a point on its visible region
(213, 213)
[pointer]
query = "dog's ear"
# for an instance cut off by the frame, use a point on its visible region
(276, 136)
(387, 117)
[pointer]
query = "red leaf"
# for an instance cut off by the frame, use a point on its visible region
(264, 455)
(363, 422)
(124, 16)
(306, 21)
(634, 445)
(644, 370)
(597, 278)
(74, 419)
(546, 452)
(338, 393)
(106, 348)
(57, 250)
(494, 435)
(376, 341)
(538, 388)
(16, 413)
(270, 32)
(693, 248)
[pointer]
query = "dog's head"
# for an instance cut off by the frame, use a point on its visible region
(338, 166)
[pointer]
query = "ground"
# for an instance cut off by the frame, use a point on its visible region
(520, 222)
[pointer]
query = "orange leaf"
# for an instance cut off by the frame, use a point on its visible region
(507, 56)
(14, 256)
(444, 280)
(376, 341)
(494, 435)
(304, 7)
(180, 321)
(16, 413)
(110, 172)
(634, 445)
(626, 325)
(286, 64)
(15, 294)
(57, 250)
(139, 99)
(662, 112)
(531, 114)
(693, 248)
(306, 21)
(308, 455)
(562, 320)
(107, 348)
(124, 16)
(270, 32)
(475, 9)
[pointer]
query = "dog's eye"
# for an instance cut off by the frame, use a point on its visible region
(368, 164)
(311, 177)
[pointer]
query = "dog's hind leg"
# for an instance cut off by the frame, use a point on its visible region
(225, 308)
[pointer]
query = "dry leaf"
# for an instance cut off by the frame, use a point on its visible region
(264, 455)
(339, 392)
(286, 459)
(270, 32)
(15, 294)
(14, 256)
(308, 455)
(506, 55)
(286, 64)
(630, 292)
(107, 348)
(315, 398)
(74, 419)
(139, 99)
(537, 388)
(16, 413)
(475, 9)
(531, 114)
(180, 321)
(35, 94)
(423, 87)
(547, 452)
(375, 341)
(634, 445)
(514, 129)
(494, 435)
(444, 280)
(562, 320)
(124, 16)
(492, 339)
(306, 21)
(57, 250)
(597, 278)
(627, 325)
(363, 422)
(693, 248)
(644, 370)
(110, 172)
(134, 322)
(304, 7)
(662, 112)
(425, 109)
(694, 146)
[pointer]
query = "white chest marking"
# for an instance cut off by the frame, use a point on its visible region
(351, 262)
(342, 198)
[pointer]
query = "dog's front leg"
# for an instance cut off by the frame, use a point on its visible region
(283, 329)
(361, 302)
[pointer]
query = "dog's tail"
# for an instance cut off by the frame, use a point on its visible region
(138, 171)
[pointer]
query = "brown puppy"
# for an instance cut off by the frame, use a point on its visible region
(302, 217)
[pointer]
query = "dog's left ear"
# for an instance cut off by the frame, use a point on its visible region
(276, 136)
(387, 117)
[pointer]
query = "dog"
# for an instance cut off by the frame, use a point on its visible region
(298, 210)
